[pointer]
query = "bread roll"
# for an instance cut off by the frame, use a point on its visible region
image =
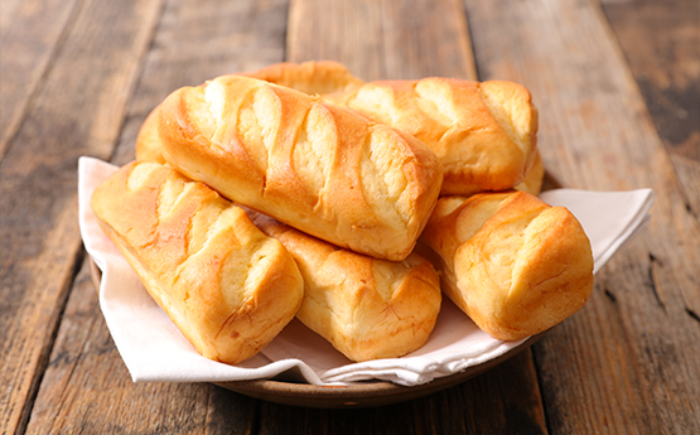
(228, 287)
(313, 78)
(485, 134)
(366, 308)
(514, 264)
(320, 168)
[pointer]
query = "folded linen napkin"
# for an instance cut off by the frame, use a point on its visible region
(153, 349)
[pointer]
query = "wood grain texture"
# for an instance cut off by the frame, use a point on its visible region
(76, 110)
(384, 39)
(476, 406)
(198, 41)
(87, 389)
(661, 42)
(31, 34)
(629, 358)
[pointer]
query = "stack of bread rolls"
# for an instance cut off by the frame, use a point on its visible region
(341, 179)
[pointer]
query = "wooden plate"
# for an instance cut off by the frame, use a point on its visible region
(363, 394)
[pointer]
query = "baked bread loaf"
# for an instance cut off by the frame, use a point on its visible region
(322, 169)
(313, 78)
(228, 287)
(485, 134)
(514, 264)
(366, 308)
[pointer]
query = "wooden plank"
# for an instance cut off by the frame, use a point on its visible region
(87, 389)
(476, 406)
(661, 41)
(31, 32)
(199, 41)
(77, 110)
(86, 386)
(508, 394)
(629, 358)
(384, 39)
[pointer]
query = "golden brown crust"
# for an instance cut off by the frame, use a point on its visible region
(485, 134)
(229, 288)
(320, 168)
(514, 264)
(366, 308)
(313, 78)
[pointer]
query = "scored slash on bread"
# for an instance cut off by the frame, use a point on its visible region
(228, 287)
(313, 78)
(515, 265)
(485, 134)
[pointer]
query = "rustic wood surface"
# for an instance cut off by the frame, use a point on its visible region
(617, 84)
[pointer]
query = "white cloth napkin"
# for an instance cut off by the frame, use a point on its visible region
(153, 349)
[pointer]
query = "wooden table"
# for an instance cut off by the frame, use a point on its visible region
(617, 83)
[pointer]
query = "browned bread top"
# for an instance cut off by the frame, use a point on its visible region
(313, 78)
(485, 134)
(320, 168)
